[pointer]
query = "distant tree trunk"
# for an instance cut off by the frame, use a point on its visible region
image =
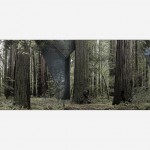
(101, 66)
(22, 76)
(112, 60)
(39, 79)
(123, 75)
(91, 67)
(81, 76)
(92, 71)
(95, 69)
(34, 72)
(31, 72)
(136, 76)
(42, 76)
(99, 70)
(11, 68)
(146, 77)
(5, 71)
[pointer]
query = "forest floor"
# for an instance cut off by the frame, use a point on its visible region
(141, 101)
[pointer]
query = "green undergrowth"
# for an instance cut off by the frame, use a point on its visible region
(141, 101)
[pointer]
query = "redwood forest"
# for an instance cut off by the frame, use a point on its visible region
(74, 74)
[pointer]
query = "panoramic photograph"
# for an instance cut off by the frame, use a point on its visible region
(74, 74)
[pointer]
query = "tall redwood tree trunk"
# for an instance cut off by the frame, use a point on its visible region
(81, 76)
(123, 75)
(22, 76)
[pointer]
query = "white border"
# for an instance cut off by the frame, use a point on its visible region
(74, 130)
(74, 19)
